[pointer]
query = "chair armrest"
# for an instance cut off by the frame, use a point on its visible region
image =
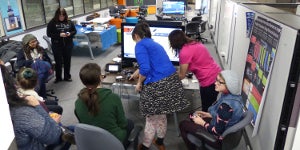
(206, 136)
(134, 133)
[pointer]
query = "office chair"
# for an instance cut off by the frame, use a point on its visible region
(90, 137)
(192, 29)
(197, 18)
(201, 11)
(231, 136)
(83, 40)
(113, 11)
(49, 51)
(49, 48)
(203, 29)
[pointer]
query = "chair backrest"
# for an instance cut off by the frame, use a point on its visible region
(48, 41)
(233, 135)
(203, 26)
(197, 18)
(192, 27)
(81, 39)
(247, 118)
(49, 49)
(90, 137)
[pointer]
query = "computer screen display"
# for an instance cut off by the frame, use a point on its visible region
(173, 7)
(159, 34)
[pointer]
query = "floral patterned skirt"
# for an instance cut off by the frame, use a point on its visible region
(163, 97)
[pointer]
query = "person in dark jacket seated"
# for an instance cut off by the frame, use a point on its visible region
(224, 113)
(34, 56)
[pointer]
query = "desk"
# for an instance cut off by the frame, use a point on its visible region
(123, 84)
(108, 36)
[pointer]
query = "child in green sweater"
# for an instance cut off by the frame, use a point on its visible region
(100, 106)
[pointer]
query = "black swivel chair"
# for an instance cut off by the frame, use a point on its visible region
(49, 51)
(197, 18)
(231, 136)
(113, 11)
(203, 29)
(192, 29)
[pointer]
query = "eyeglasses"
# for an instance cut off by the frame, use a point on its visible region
(220, 82)
(33, 42)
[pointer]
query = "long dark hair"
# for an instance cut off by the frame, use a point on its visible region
(142, 29)
(27, 50)
(13, 98)
(90, 76)
(58, 12)
(177, 39)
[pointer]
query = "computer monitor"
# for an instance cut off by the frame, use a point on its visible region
(159, 34)
(173, 7)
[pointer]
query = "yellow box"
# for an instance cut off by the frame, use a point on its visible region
(151, 9)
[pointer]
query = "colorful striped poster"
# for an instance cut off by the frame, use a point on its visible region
(261, 54)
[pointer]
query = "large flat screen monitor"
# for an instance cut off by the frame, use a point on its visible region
(159, 34)
(173, 7)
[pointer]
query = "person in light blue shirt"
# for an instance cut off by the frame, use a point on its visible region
(161, 91)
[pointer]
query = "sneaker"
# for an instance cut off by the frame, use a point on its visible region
(160, 147)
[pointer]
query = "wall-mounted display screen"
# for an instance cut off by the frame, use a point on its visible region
(159, 34)
(173, 7)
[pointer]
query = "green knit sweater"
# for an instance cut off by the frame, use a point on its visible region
(110, 117)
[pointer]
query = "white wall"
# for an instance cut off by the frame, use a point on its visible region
(6, 129)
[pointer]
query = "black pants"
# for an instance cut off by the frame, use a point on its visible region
(53, 106)
(130, 127)
(187, 126)
(62, 55)
(208, 96)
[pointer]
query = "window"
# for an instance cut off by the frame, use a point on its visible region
(103, 4)
(88, 6)
(68, 6)
(50, 7)
(110, 3)
(96, 4)
(33, 13)
(78, 7)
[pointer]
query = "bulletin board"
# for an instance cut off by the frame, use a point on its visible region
(10, 16)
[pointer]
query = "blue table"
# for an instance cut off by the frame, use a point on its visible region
(108, 37)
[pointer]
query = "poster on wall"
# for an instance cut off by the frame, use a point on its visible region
(10, 17)
(260, 57)
(249, 22)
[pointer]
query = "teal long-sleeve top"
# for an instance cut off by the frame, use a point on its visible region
(110, 117)
(153, 60)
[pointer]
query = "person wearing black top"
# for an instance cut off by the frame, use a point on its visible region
(61, 31)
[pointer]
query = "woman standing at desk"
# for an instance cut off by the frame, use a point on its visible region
(160, 89)
(195, 57)
(61, 31)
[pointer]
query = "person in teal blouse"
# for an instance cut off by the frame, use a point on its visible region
(100, 106)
